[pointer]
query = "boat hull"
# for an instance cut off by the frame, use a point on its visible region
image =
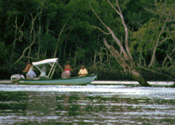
(69, 81)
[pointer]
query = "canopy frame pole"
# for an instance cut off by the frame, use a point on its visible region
(62, 70)
(52, 66)
(53, 70)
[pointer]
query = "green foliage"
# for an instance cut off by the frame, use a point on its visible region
(135, 13)
(48, 43)
(4, 54)
(80, 39)
(144, 40)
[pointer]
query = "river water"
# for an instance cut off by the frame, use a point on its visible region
(86, 105)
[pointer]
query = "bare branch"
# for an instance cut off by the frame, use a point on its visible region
(33, 20)
(170, 33)
(102, 30)
(161, 42)
(149, 10)
(167, 57)
(157, 43)
(111, 32)
(59, 39)
(157, 72)
(112, 50)
(20, 31)
(98, 16)
(125, 26)
(23, 53)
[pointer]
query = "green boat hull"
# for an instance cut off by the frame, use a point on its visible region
(69, 81)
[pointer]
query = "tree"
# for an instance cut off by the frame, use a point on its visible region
(124, 58)
(77, 33)
(154, 41)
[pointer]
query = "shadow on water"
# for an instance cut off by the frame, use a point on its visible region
(126, 105)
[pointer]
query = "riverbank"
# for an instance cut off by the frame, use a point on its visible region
(165, 83)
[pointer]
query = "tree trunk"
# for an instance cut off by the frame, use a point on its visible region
(124, 58)
(138, 77)
(128, 65)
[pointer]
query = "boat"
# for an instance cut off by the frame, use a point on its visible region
(46, 78)
(68, 81)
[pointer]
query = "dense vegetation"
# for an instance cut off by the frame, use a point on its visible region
(69, 30)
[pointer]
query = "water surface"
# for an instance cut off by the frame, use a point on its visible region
(88, 105)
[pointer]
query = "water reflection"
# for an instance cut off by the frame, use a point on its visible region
(13, 102)
(92, 104)
(88, 109)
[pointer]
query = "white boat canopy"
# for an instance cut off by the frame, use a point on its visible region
(41, 66)
(46, 61)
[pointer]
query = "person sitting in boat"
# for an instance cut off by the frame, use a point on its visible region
(30, 74)
(83, 71)
(68, 69)
(29, 65)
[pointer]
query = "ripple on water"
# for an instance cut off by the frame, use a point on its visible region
(91, 104)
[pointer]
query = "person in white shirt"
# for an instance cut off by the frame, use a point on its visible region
(31, 74)
(83, 71)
